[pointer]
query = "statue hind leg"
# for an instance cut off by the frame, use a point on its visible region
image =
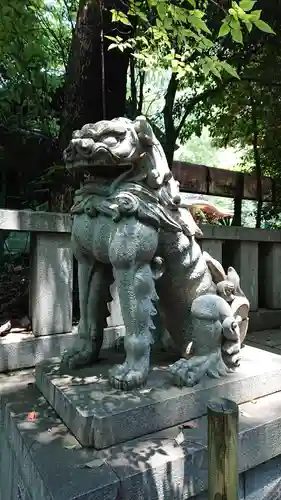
(131, 253)
(216, 342)
(94, 281)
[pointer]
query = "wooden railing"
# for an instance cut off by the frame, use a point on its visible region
(255, 254)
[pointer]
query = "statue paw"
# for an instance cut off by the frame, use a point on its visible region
(124, 378)
(189, 372)
(82, 354)
(184, 374)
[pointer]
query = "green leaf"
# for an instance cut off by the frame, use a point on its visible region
(237, 35)
(247, 5)
(234, 24)
(230, 69)
(192, 3)
(113, 38)
(206, 43)
(216, 71)
(206, 68)
(198, 13)
(142, 16)
(224, 30)
(120, 17)
(161, 9)
(198, 23)
(233, 13)
(263, 26)
(114, 15)
(254, 15)
(236, 31)
(123, 19)
(167, 22)
(249, 26)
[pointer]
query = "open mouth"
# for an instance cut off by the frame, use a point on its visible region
(89, 171)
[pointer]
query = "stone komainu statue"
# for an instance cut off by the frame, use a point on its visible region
(130, 226)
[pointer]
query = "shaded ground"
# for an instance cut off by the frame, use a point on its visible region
(269, 340)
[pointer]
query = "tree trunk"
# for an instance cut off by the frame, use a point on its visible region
(258, 168)
(237, 218)
(95, 86)
(170, 130)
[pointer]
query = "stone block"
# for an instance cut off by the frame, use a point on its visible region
(243, 256)
(100, 416)
(157, 466)
(264, 482)
(35, 221)
(49, 468)
(269, 267)
(51, 283)
(21, 350)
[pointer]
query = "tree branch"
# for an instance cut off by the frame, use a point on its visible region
(210, 92)
(69, 17)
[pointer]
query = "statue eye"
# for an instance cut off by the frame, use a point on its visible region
(110, 140)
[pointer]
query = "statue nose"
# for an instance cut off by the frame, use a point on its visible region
(84, 146)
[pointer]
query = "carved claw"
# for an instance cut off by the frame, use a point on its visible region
(80, 355)
(186, 373)
(189, 372)
(123, 378)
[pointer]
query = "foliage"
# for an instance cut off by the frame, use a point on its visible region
(201, 150)
(34, 44)
(179, 36)
(195, 45)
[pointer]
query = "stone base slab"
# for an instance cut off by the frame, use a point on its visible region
(100, 416)
(44, 461)
(23, 350)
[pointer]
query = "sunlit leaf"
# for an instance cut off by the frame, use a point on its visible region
(161, 9)
(112, 46)
(263, 26)
(254, 15)
(224, 30)
(237, 35)
(198, 23)
(247, 5)
(230, 69)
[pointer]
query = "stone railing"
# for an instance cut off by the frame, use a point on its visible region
(256, 255)
(51, 273)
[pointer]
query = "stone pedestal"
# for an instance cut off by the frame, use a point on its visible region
(100, 416)
(41, 460)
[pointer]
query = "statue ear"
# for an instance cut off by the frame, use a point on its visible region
(144, 130)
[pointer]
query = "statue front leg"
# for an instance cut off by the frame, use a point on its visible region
(94, 280)
(131, 254)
